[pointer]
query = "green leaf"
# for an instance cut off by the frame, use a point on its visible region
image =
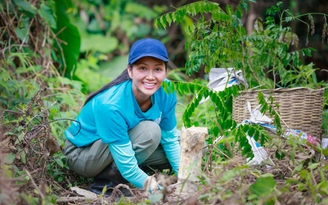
(168, 18)
(46, 13)
(22, 33)
(140, 10)
(263, 186)
(99, 43)
(94, 26)
(314, 165)
(220, 16)
(9, 158)
(280, 154)
(26, 6)
(68, 34)
(228, 175)
(161, 22)
(22, 156)
(60, 162)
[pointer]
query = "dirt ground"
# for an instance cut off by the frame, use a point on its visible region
(39, 177)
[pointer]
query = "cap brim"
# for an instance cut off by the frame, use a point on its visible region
(160, 57)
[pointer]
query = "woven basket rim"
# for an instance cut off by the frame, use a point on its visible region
(283, 90)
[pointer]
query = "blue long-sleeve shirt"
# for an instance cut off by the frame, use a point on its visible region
(112, 113)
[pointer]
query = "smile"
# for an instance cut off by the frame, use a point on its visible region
(149, 85)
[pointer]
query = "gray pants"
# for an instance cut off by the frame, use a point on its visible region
(91, 160)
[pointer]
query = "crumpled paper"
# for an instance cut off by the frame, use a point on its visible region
(221, 78)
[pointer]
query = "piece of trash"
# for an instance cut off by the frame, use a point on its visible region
(87, 194)
(221, 78)
(259, 152)
(324, 143)
(256, 116)
(303, 135)
(292, 133)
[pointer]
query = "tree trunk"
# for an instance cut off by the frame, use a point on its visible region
(192, 143)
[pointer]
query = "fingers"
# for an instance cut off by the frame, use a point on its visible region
(151, 185)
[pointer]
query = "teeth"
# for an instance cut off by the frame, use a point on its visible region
(149, 84)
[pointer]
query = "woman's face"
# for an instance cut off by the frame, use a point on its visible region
(147, 75)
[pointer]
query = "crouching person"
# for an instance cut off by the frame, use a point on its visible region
(127, 124)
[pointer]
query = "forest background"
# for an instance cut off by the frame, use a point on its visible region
(55, 53)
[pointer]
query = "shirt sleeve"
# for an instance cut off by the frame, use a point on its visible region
(168, 121)
(127, 164)
(171, 146)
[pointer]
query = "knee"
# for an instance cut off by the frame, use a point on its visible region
(145, 135)
(151, 132)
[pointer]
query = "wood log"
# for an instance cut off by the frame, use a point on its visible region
(192, 143)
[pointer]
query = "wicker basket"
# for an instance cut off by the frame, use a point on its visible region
(300, 108)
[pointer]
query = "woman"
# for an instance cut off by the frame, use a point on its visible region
(128, 123)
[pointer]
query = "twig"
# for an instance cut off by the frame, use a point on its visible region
(75, 198)
(117, 190)
(34, 184)
(27, 34)
(43, 111)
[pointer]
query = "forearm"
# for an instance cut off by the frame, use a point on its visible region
(127, 164)
(171, 146)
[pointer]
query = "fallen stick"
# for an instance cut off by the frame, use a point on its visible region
(75, 199)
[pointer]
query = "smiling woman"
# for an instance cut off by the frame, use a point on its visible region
(147, 76)
(127, 125)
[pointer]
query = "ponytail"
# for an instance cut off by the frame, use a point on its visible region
(124, 76)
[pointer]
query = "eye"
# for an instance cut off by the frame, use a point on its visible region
(159, 69)
(143, 68)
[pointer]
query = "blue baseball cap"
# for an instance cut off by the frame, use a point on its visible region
(147, 47)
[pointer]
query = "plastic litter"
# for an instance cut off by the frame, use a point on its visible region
(221, 78)
(324, 143)
(293, 133)
(259, 152)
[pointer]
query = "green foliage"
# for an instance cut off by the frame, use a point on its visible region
(325, 123)
(220, 40)
(26, 6)
(217, 117)
(206, 39)
(54, 16)
(263, 186)
(34, 116)
(107, 28)
(304, 180)
(267, 106)
(68, 33)
(269, 58)
(36, 102)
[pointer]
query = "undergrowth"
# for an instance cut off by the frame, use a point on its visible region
(37, 104)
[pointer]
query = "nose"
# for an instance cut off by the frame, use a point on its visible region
(150, 74)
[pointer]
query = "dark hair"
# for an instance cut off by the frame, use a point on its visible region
(124, 76)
